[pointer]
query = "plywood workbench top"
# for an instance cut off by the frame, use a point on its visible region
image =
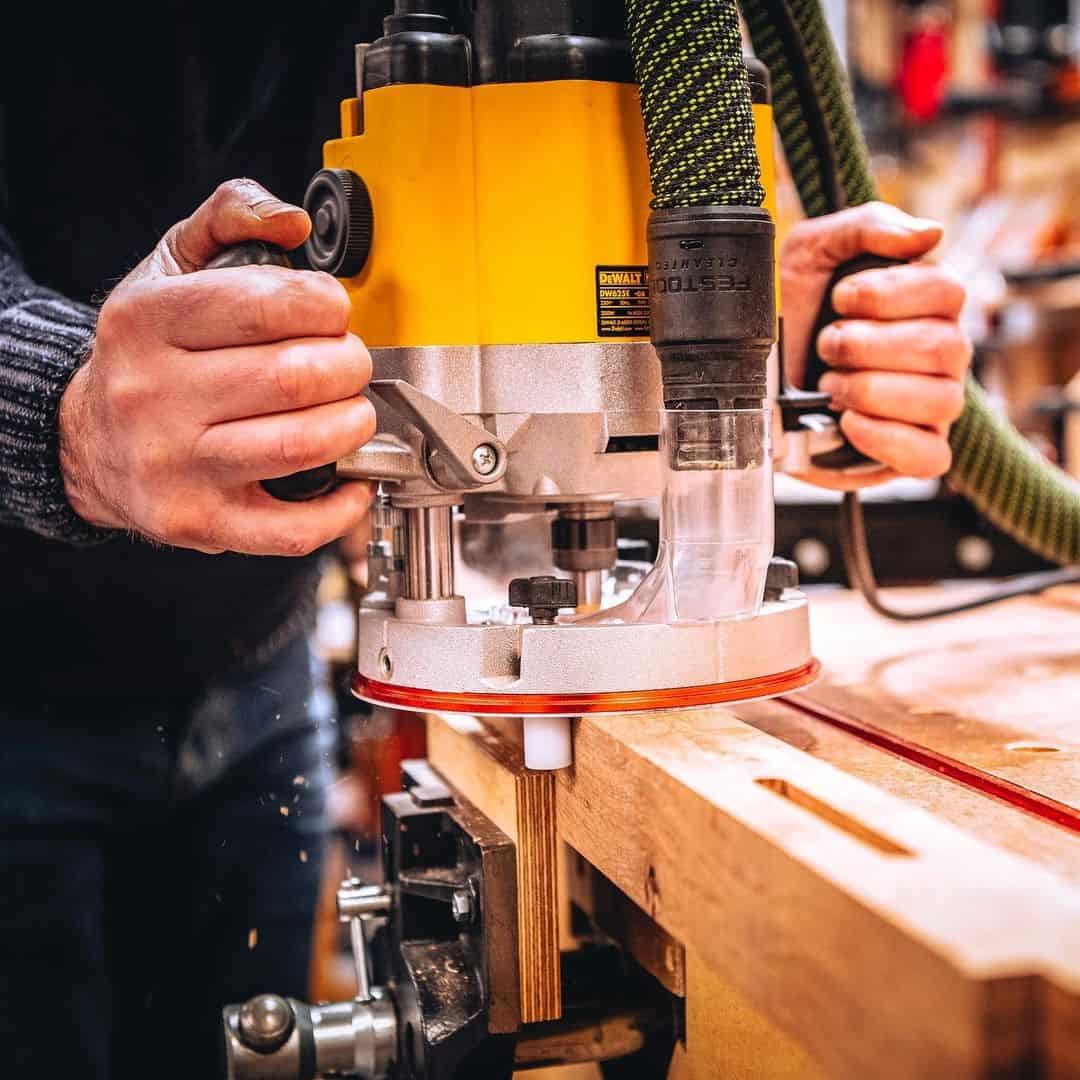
(997, 689)
(1002, 681)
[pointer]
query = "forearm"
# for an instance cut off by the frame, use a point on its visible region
(43, 340)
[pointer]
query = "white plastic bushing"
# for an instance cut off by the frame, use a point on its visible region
(547, 742)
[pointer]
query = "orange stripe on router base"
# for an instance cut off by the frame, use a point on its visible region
(497, 704)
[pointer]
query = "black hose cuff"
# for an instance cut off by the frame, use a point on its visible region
(712, 304)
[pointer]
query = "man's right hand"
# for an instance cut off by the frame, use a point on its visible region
(203, 382)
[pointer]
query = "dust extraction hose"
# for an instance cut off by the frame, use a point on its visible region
(993, 465)
(695, 100)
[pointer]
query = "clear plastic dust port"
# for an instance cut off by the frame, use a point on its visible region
(716, 520)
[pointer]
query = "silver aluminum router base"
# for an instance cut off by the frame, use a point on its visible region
(396, 656)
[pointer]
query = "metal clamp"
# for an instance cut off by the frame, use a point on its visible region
(809, 435)
(358, 905)
(461, 454)
(386, 458)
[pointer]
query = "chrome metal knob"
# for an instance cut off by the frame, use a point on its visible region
(265, 1023)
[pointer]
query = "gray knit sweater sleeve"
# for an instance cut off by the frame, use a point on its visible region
(43, 339)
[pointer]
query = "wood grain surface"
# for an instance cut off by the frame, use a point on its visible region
(877, 918)
(884, 940)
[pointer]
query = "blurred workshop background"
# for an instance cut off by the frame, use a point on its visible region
(971, 109)
(972, 113)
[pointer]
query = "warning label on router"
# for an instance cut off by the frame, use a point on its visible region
(622, 301)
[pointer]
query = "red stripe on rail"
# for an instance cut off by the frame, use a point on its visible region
(1031, 802)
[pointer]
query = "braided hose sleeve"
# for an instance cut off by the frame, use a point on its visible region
(695, 100)
(993, 465)
(1012, 484)
(834, 101)
(797, 112)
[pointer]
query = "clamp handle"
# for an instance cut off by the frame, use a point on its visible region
(357, 904)
(311, 483)
(845, 456)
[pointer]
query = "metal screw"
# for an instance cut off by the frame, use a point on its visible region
(783, 574)
(485, 459)
(544, 596)
(461, 906)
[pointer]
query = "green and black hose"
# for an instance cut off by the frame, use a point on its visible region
(993, 465)
(695, 100)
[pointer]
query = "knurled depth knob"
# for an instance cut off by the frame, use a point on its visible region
(782, 574)
(342, 222)
(544, 596)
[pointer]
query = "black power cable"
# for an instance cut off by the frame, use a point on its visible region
(860, 572)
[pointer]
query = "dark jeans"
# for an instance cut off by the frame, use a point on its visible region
(158, 859)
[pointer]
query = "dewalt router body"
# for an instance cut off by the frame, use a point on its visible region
(487, 207)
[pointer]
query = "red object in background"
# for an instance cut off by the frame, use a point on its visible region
(408, 741)
(924, 66)
(1068, 85)
(376, 751)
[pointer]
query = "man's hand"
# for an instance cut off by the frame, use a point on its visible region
(202, 382)
(898, 356)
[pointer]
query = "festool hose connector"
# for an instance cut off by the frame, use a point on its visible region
(711, 279)
(712, 304)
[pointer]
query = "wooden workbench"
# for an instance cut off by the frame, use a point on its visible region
(877, 878)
